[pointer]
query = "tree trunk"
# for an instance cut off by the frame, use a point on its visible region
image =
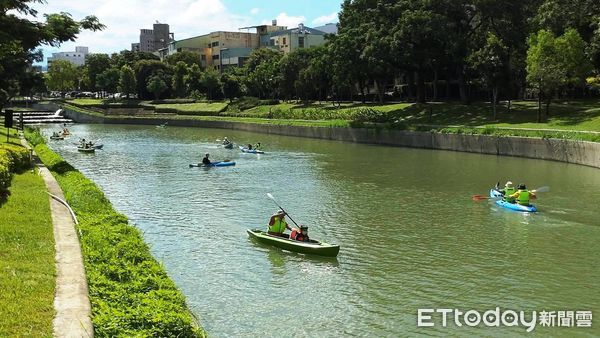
(539, 112)
(435, 85)
(494, 102)
(409, 84)
(448, 77)
(420, 87)
(462, 87)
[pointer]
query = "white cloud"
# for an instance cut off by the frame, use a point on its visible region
(125, 18)
(285, 20)
(254, 11)
(324, 19)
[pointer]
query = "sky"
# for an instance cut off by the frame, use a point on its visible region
(186, 18)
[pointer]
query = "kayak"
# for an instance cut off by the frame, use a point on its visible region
(312, 247)
(228, 146)
(495, 193)
(98, 146)
(512, 206)
(86, 150)
(516, 206)
(57, 138)
(213, 164)
(251, 151)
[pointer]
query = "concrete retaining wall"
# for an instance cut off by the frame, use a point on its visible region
(579, 152)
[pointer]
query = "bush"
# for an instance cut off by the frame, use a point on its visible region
(12, 159)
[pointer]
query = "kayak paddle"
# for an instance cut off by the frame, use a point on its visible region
(273, 198)
(541, 189)
(480, 198)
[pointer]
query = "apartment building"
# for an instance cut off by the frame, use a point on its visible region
(152, 40)
(231, 49)
(77, 57)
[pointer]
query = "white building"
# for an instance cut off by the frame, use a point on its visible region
(77, 57)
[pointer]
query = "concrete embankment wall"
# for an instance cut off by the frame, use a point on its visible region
(579, 152)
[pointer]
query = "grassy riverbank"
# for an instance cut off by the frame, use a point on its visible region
(130, 292)
(27, 277)
(568, 120)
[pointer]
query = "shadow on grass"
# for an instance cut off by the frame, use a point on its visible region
(480, 113)
(4, 196)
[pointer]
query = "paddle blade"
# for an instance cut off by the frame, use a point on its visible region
(479, 198)
(542, 189)
(270, 196)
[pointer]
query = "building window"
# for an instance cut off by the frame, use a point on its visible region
(214, 44)
(67, 54)
(216, 57)
(300, 42)
(284, 41)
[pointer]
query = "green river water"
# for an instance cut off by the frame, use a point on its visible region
(411, 236)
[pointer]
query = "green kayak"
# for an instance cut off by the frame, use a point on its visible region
(312, 247)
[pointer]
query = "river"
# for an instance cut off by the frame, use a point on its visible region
(411, 236)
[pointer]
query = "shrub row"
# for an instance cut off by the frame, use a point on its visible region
(12, 158)
(130, 292)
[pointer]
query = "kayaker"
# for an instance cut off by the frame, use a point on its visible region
(226, 141)
(277, 224)
(300, 234)
(257, 146)
(249, 146)
(523, 195)
(508, 191)
(205, 160)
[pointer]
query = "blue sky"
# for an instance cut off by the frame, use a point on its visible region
(186, 18)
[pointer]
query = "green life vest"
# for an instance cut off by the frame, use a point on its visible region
(508, 192)
(523, 198)
(278, 226)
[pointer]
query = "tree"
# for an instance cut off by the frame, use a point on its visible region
(178, 79)
(187, 57)
(263, 73)
(95, 65)
(21, 35)
(193, 79)
(127, 83)
(231, 86)
(545, 72)
(145, 69)
(108, 80)
(156, 85)
(62, 76)
(210, 82)
(572, 55)
(490, 62)
(290, 67)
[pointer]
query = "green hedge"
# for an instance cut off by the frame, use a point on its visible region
(130, 292)
(12, 158)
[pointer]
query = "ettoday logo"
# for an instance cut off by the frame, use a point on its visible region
(497, 317)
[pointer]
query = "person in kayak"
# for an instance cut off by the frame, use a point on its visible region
(523, 195)
(508, 191)
(226, 141)
(277, 224)
(249, 146)
(257, 146)
(300, 234)
(205, 160)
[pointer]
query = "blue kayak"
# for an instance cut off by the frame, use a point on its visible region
(251, 151)
(516, 206)
(214, 164)
(512, 206)
(495, 193)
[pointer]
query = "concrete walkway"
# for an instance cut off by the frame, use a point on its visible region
(71, 302)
